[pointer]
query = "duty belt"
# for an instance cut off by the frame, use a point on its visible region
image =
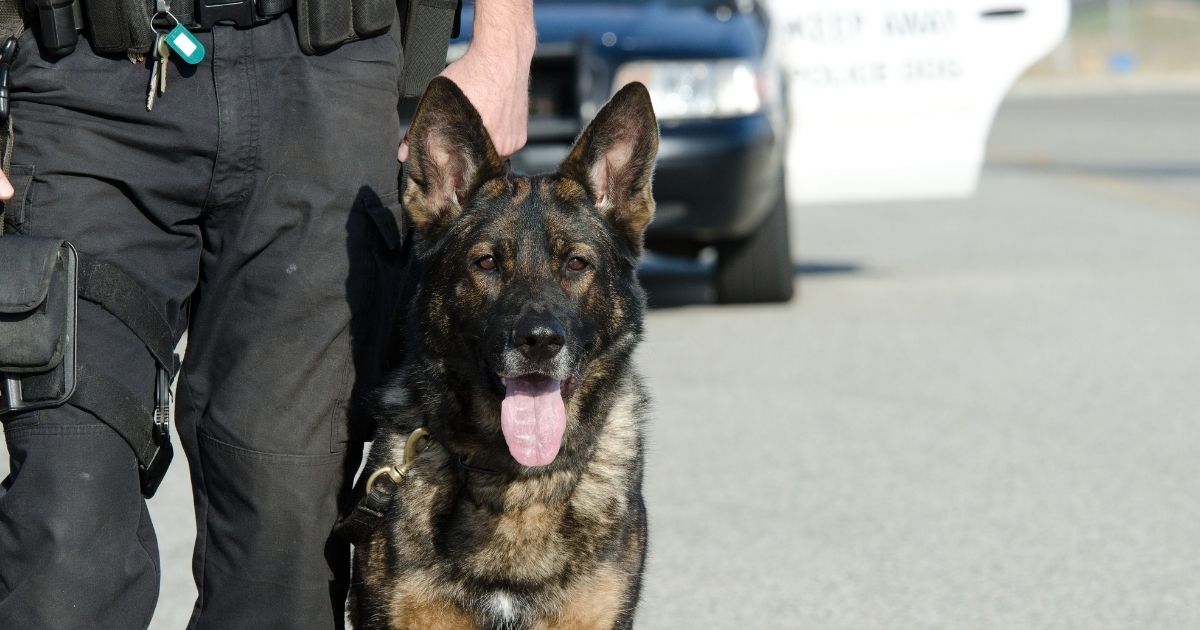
(112, 23)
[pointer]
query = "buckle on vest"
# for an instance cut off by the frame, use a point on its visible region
(238, 12)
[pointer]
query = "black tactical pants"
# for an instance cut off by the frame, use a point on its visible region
(257, 204)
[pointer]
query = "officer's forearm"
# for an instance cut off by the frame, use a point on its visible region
(494, 72)
(505, 27)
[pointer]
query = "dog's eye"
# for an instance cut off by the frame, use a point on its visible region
(577, 264)
(487, 263)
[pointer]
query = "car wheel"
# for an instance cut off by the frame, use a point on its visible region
(759, 267)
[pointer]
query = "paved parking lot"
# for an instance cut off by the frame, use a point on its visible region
(980, 413)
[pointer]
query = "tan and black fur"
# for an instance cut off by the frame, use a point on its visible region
(474, 539)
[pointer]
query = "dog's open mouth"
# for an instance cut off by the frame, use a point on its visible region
(533, 417)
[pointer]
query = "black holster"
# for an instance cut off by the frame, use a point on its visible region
(42, 282)
(38, 298)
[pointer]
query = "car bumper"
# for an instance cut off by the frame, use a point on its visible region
(716, 179)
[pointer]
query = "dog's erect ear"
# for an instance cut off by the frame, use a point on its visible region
(614, 160)
(449, 156)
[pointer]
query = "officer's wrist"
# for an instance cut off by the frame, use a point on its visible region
(505, 27)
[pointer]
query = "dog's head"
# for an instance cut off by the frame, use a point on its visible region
(529, 298)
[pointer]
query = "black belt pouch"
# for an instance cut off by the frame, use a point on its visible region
(427, 26)
(38, 299)
(322, 25)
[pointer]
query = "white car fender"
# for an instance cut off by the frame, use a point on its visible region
(893, 99)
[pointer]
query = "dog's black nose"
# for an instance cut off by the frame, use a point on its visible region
(539, 337)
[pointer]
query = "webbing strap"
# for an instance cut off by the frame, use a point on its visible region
(372, 509)
(114, 404)
(113, 290)
(428, 26)
(357, 526)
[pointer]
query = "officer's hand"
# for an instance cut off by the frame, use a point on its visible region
(6, 189)
(499, 89)
(494, 72)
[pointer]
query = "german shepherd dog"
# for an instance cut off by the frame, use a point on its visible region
(522, 315)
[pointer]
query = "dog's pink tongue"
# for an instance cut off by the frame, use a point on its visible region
(533, 418)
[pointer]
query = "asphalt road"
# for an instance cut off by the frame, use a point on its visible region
(980, 413)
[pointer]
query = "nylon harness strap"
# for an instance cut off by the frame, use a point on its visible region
(371, 510)
(109, 401)
(113, 290)
(117, 407)
(357, 526)
(145, 430)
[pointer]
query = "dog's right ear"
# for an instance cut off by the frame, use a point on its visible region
(449, 155)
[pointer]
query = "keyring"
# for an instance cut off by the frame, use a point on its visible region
(166, 12)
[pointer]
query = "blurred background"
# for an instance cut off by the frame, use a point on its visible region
(980, 410)
(1136, 39)
(925, 335)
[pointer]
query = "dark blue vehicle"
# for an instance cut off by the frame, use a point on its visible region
(719, 98)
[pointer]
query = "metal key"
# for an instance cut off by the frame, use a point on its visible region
(155, 69)
(164, 56)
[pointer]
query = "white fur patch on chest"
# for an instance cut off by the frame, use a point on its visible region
(502, 607)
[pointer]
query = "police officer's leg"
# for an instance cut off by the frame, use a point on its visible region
(290, 301)
(77, 549)
(76, 546)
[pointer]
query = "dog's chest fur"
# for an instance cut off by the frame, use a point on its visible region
(563, 546)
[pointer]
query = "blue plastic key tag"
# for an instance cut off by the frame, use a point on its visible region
(185, 45)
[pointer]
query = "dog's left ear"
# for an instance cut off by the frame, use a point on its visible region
(614, 160)
(450, 156)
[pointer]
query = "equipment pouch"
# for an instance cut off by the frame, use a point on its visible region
(322, 25)
(38, 297)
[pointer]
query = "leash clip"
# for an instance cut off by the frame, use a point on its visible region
(416, 443)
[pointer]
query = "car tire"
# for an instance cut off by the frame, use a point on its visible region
(758, 268)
